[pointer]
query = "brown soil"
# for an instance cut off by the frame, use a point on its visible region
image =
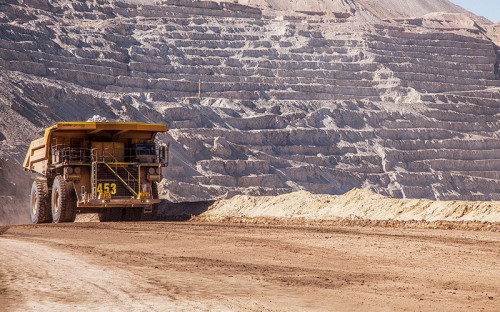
(226, 267)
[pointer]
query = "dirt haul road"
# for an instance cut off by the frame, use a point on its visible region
(224, 267)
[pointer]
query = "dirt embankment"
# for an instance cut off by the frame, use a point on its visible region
(357, 207)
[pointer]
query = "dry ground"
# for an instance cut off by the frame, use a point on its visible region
(166, 266)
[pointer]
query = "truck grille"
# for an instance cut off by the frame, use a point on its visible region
(129, 175)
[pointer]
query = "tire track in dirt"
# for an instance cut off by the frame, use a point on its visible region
(241, 267)
(55, 280)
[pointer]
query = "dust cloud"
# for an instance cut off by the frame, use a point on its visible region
(14, 193)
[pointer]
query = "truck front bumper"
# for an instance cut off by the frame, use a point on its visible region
(121, 202)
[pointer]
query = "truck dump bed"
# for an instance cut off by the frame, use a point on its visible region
(39, 155)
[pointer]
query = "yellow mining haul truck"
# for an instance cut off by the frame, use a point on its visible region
(106, 167)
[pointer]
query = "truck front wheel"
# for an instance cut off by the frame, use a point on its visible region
(63, 201)
(40, 201)
(153, 215)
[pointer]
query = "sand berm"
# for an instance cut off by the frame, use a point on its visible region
(355, 204)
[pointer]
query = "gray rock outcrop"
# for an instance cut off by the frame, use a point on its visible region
(263, 101)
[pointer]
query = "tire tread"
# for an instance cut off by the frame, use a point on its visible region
(68, 200)
(44, 212)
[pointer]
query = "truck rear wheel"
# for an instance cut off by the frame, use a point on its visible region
(63, 201)
(153, 215)
(111, 215)
(154, 192)
(40, 201)
(132, 214)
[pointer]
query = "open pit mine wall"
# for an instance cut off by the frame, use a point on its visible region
(262, 101)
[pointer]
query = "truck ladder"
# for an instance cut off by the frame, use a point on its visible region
(93, 177)
(120, 179)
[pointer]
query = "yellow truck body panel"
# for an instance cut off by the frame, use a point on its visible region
(39, 153)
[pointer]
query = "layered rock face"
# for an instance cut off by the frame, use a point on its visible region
(263, 101)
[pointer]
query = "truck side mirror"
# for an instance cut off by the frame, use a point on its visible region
(164, 154)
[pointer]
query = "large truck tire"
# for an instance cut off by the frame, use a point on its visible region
(40, 202)
(63, 201)
(111, 215)
(154, 208)
(154, 192)
(132, 214)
